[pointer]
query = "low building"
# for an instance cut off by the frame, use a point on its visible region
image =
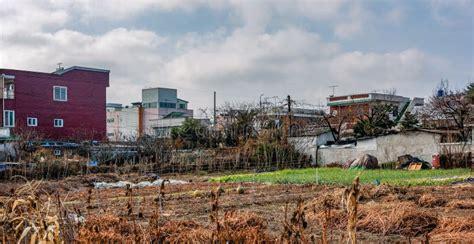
(159, 111)
(123, 122)
(162, 110)
(356, 105)
(278, 116)
(67, 104)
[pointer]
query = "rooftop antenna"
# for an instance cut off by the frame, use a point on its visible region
(59, 66)
(333, 89)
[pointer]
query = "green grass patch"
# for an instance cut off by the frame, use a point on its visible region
(338, 176)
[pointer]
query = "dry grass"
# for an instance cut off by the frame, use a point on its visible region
(26, 217)
(453, 230)
(400, 219)
(234, 227)
(146, 215)
(429, 201)
(293, 229)
(461, 204)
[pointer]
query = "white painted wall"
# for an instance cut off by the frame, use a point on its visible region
(122, 124)
(153, 117)
(386, 148)
(305, 145)
(308, 144)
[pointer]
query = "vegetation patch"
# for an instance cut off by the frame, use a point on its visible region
(337, 176)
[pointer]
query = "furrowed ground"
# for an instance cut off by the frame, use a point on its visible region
(258, 207)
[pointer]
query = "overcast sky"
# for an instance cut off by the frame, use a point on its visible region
(242, 49)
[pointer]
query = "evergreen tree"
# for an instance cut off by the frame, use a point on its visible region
(409, 121)
(470, 91)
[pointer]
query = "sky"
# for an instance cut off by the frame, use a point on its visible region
(243, 49)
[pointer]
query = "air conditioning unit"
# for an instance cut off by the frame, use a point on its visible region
(4, 132)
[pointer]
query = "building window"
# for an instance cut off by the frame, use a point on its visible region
(58, 122)
(9, 91)
(60, 93)
(182, 106)
(167, 105)
(9, 118)
(150, 105)
(30, 121)
(111, 120)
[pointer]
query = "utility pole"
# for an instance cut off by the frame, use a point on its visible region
(214, 122)
(289, 103)
(288, 120)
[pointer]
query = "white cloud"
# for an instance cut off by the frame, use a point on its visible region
(353, 22)
(239, 63)
(30, 16)
(131, 55)
(125, 9)
(293, 61)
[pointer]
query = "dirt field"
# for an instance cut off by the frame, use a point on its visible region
(386, 214)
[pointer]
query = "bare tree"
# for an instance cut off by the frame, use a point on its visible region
(454, 110)
(336, 121)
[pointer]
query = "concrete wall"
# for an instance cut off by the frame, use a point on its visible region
(149, 95)
(308, 144)
(305, 145)
(385, 148)
(122, 124)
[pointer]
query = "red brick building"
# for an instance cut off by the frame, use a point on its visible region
(357, 105)
(68, 104)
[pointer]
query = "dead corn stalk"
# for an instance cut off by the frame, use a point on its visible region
(293, 230)
(214, 217)
(352, 210)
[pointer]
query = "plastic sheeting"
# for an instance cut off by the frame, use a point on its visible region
(123, 184)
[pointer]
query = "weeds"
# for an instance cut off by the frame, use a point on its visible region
(26, 217)
(293, 230)
(29, 213)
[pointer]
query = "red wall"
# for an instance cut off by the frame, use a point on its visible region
(84, 112)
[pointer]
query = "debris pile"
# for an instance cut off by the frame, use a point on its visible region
(412, 163)
(366, 161)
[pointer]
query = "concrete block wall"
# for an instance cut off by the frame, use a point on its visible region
(386, 148)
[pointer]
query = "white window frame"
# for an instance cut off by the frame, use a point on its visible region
(59, 124)
(5, 120)
(31, 119)
(65, 94)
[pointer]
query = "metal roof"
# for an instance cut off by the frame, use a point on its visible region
(63, 71)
